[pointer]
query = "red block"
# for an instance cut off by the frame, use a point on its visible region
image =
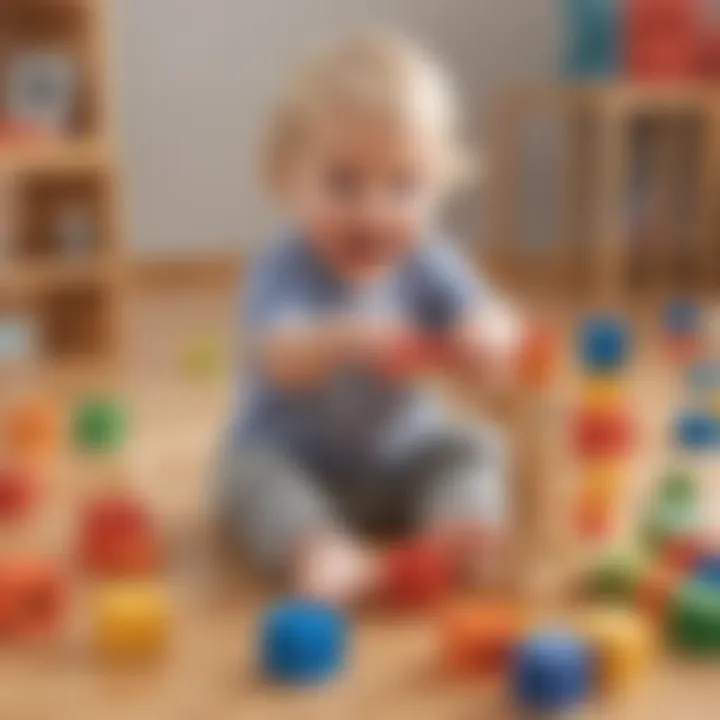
(416, 576)
(18, 494)
(603, 433)
(32, 600)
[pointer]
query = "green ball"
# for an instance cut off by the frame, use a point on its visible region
(695, 619)
(100, 426)
(617, 576)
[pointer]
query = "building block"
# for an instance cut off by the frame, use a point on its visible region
(605, 345)
(593, 44)
(695, 619)
(697, 431)
(416, 576)
(603, 434)
(119, 536)
(303, 643)
(100, 426)
(19, 492)
(131, 621)
(480, 637)
(617, 576)
(623, 643)
(33, 428)
(552, 673)
(658, 590)
(33, 600)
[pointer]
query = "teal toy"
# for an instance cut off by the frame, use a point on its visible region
(695, 619)
(594, 39)
(673, 514)
(617, 576)
(100, 425)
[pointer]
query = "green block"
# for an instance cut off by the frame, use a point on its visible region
(695, 619)
(100, 426)
(617, 576)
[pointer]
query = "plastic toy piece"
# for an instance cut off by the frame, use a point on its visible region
(697, 431)
(33, 429)
(552, 673)
(18, 495)
(32, 600)
(658, 590)
(480, 637)
(303, 643)
(131, 621)
(617, 576)
(604, 345)
(695, 619)
(100, 426)
(623, 643)
(119, 537)
(416, 576)
(603, 435)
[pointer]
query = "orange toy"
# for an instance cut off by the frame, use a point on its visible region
(539, 358)
(603, 434)
(32, 600)
(33, 429)
(119, 537)
(480, 637)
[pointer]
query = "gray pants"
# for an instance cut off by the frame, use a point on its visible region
(268, 501)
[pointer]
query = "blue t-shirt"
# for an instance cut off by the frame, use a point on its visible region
(356, 420)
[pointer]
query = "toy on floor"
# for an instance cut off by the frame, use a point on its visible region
(480, 637)
(19, 493)
(552, 674)
(303, 643)
(131, 621)
(33, 600)
(119, 536)
(33, 428)
(100, 426)
(623, 645)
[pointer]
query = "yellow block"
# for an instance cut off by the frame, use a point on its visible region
(603, 392)
(131, 620)
(624, 644)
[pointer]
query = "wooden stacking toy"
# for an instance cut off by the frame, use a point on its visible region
(131, 621)
(623, 644)
(479, 637)
(33, 600)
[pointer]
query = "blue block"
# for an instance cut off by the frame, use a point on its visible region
(553, 672)
(605, 344)
(682, 318)
(303, 643)
(593, 39)
(697, 431)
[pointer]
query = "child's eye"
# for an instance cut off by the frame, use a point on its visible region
(343, 182)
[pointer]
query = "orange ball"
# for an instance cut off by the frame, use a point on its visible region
(480, 637)
(33, 428)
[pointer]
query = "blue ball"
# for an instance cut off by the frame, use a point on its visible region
(553, 672)
(303, 643)
(682, 317)
(605, 344)
(697, 431)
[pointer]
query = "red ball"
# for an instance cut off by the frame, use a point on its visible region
(119, 537)
(18, 495)
(416, 576)
(603, 433)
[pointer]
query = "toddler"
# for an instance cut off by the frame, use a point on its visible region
(331, 444)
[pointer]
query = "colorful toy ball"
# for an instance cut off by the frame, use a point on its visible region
(604, 344)
(18, 494)
(32, 600)
(553, 673)
(100, 426)
(303, 643)
(697, 431)
(416, 576)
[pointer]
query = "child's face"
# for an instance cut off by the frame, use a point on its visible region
(364, 190)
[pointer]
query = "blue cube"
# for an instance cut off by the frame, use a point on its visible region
(604, 344)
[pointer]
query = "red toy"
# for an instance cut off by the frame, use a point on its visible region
(119, 537)
(32, 600)
(18, 494)
(663, 37)
(603, 433)
(416, 576)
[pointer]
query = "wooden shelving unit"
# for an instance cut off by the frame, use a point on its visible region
(73, 298)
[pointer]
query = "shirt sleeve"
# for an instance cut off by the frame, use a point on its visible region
(448, 288)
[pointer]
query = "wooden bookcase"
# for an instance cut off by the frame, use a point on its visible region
(70, 296)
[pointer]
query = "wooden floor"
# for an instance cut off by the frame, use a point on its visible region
(209, 671)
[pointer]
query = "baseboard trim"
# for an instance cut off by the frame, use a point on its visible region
(177, 271)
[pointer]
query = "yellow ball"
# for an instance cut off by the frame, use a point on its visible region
(131, 621)
(624, 644)
(603, 393)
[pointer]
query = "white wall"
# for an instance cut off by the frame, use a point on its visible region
(196, 77)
